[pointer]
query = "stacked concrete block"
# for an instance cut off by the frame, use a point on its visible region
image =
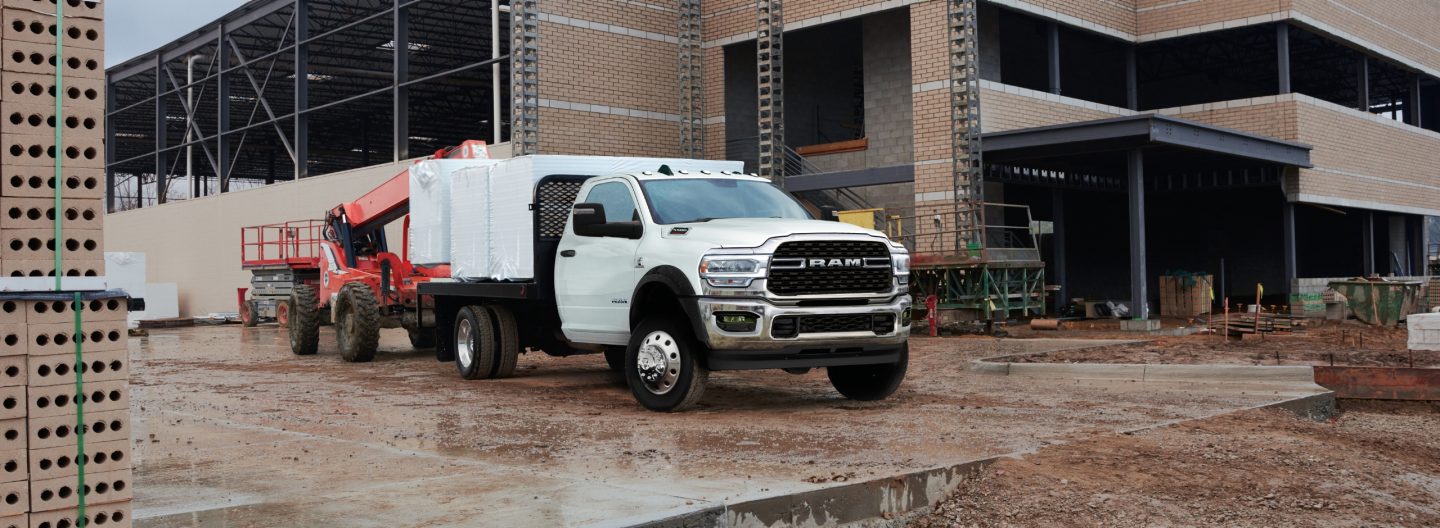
(28, 122)
(41, 449)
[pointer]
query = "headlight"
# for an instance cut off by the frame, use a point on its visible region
(902, 269)
(902, 263)
(724, 271)
(728, 266)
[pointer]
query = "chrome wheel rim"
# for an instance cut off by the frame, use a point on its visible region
(465, 343)
(658, 362)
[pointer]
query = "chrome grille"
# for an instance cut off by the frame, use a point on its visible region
(845, 266)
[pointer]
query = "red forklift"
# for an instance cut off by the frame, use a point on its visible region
(341, 271)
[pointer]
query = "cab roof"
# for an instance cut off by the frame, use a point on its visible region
(732, 175)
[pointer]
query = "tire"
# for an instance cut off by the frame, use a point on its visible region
(304, 329)
(870, 382)
(422, 338)
(247, 314)
(507, 341)
(474, 343)
(615, 358)
(673, 378)
(357, 323)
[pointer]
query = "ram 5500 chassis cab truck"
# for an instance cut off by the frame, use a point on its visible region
(673, 274)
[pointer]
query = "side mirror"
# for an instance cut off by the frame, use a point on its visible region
(589, 219)
(828, 212)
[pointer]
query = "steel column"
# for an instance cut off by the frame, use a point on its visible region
(1135, 170)
(1288, 246)
(1367, 243)
(1052, 55)
(1414, 108)
(160, 141)
(109, 152)
(1282, 55)
(1363, 86)
(302, 89)
(222, 103)
(1132, 80)
(1057, 214)
(400, 117)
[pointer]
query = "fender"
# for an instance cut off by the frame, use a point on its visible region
(678, 284)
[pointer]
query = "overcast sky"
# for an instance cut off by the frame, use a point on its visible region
(133, 27)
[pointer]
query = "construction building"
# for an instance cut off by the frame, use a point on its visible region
(1262, 142)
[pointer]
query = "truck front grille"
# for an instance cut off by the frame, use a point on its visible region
(791, 326)
(792, 271)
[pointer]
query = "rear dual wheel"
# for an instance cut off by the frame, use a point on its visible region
(487, 342)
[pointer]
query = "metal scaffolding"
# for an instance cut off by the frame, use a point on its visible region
(283, 89)
(967, 167)
(770, 66)
(525, 83)
(692, 89)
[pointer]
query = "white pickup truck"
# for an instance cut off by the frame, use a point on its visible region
(672, 274)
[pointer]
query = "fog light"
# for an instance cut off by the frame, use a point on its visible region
(736, 321)
(905, 317)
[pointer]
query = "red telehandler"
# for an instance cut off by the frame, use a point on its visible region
(341, 271)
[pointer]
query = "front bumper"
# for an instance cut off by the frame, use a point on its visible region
(760, 349)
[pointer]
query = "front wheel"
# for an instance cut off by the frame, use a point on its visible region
(304, 327)
(662, 365)
(870, 382)
(358, 323)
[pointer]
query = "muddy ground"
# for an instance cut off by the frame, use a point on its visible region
(1376, 465)
(1348, 343)
(233, 430)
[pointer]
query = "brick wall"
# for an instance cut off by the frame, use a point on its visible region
(1404, 27)
(1361, 160)
(590, 133)
(1156, 16)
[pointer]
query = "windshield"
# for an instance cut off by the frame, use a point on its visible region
(678, 201)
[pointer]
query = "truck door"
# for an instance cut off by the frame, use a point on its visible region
(595, 276)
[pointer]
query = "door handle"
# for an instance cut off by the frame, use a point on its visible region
(567, 253)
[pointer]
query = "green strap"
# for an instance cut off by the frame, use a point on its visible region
(59, 140)
(80, 520)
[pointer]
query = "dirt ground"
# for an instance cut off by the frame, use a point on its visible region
(1376, 465)
(233, 430)
(1348, 343)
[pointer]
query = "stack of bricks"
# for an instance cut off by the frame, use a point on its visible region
(27, 134)
(53, 428)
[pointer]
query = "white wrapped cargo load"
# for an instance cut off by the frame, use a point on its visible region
(430, 182)
(492, 229)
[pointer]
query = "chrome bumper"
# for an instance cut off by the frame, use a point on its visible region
(760, 340)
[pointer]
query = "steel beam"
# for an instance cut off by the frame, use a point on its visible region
(1413, 110)
(302, 89)
(1135, 171)
(400, 117)
(1282, 55)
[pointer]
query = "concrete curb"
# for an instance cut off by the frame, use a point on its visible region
(1144, 372)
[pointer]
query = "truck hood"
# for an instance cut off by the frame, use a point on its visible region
(753, 232)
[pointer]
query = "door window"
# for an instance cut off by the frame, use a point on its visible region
(619, 203)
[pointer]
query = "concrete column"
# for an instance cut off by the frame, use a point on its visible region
(1367, 242)
(1135, 170)
(1057, 197)
(1282, 55)
(1288, 227)
(1053, 56)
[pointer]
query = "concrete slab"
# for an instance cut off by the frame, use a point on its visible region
(233, 430)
